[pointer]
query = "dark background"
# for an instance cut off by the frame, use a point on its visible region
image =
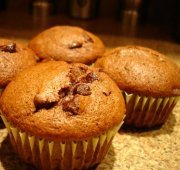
(158, 19)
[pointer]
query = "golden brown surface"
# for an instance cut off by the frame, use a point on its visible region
(71, 44)
(14, 57)
(141, 70)
(59, 101)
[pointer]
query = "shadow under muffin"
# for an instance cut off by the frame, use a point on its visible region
(10, 160)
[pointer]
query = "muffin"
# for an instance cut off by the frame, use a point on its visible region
(149, 80)
(67, 43)
(14, 57)
(62, 115)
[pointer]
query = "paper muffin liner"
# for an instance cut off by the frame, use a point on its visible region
(49, 155)
(142, 111)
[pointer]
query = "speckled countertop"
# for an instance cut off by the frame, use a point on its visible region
(157, 149)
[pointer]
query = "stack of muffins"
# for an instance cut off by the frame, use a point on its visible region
(63, 114)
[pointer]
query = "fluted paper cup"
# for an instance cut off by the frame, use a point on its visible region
(142, 111)
(63, 155)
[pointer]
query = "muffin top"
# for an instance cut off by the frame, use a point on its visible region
(67, 43)
(141, 71)
(14, 57)
(59, 101)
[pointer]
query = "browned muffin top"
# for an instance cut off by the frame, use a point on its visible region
(14, 57)
(141, 70)
(67, 43)
(60, 101)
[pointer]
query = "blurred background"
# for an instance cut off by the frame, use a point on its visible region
(151, 23)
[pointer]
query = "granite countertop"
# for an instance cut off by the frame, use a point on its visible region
(156, 149)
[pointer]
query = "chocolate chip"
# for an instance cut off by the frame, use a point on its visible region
(64, 92)
(11, 48)
(82, 89)
(70, 106)
(106, 94)
(90, 77)
(83, 68)
(75, 45)
(68, 98)
(46, 105)
(88, 38)
(76, 72)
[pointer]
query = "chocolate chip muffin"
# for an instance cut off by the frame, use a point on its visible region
(62, 115)
(150, 81)
(14, 57)
(67, 43)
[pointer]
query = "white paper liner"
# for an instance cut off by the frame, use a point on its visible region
(142, 111)
(49, 155)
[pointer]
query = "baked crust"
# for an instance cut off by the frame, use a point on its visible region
(142, 71)
(67, 43)
(14, 57)
(59, 101)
